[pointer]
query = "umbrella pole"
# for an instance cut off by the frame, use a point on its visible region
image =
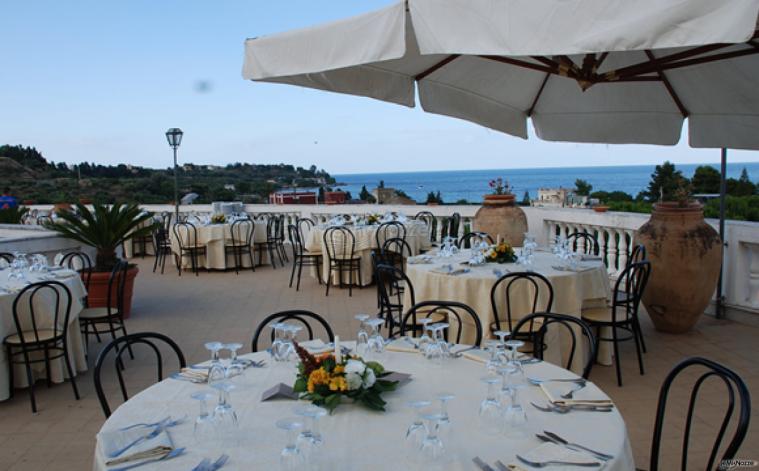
(722, 190)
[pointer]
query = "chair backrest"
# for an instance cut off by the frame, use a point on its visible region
(31, 315)
(241, 232)
(118, 346)
(295, 239)
(629, 288)
(304, 226)
(395, 251)
(547, 319)
(583, 242)
(445, 311)
(116, 287)
(166, 220)
(389, 230)
(733, 384)
(80, 262)
(471, 238)
(523, 283)
(186, 234)
(453, 225)
(391, 285)
(340, 243)
(431, 222)
(280, 226)
(298, 315)
(638, 254)
(8, 257)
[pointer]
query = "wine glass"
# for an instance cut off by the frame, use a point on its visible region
(362, 337)
(514, 415)
(416, 431)
(236, 366)
(204, 428)
(490, 407)
(445, 419)
(494, 348)
(224, 415)
(310, 440)
(290, 457)
(291, 336)
(432, 449)
(425, 339)
(278, 341)
(445, 347)
(434, 351)
(376, 343)
(516, 371)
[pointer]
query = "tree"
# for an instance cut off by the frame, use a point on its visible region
(366, 196)
(526, 199)
(742, 186)
(434, 198)
(582, 187)
(665, 181)
(382, 184)
(706, 179)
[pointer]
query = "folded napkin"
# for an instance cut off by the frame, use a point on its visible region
(65, 273)
(145, 450)
(477, 355)
(317, 346)
(585, 396)
(553, 452)
(401, 345)
(443, 270)
(194, 374)
(419, 259)
(578, 269)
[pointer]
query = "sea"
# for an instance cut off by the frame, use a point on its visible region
(471, 185)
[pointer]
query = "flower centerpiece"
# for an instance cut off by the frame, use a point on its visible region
(373, 219)
(218, 219)
(500, 186)
(500, 253)
(325, 380)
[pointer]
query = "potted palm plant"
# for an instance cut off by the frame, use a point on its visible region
(105, 228)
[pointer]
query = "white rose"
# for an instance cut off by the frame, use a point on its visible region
(355, 366)
(369, 378)
(353, 380)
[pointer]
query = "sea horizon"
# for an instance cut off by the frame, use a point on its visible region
(471, 185)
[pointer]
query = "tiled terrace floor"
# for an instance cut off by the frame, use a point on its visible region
(228, 307)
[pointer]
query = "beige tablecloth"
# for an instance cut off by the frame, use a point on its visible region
(571, 292)
(417, 237)
(213, 237)
(74, 336)
(357, 439)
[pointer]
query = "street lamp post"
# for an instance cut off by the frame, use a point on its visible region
(174, 136)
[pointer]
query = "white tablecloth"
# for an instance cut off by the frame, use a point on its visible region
(357, 439)
(417, 237)
(213, 237)
(571, 292)
(74, 336)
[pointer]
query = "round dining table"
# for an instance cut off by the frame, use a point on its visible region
(213, 237)
(417, 237)
(359, 439)
(45, 312)
(586, 285)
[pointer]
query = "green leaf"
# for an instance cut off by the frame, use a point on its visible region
(300, 385)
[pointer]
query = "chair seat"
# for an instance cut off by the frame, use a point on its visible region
(346, 259)
(602, 314)
(94, 313)
(44, 335)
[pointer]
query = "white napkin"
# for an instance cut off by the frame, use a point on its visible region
(401, 345)
(317, 346)
(443, 270)
(580, 268)
(585, 396)
(479, 355)
(419, 259)
(147, 449)
(63, 274)
(553, 452)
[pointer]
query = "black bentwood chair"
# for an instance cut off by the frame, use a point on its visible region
(622, 314)
(187, 238)
(429, 219)
(391, 286)
(297, 315)
(79, 262)
(568, 324)
(36, 335)
(542, 301)
(6, 256)
(734, 385)
(584, 243)
(302, 257)
(341, 256)
(271, 245)
(389, 230)
(304, 227)
(396, 251)
(162, 247)
(443, 311)
(152, 340)
(240, 242)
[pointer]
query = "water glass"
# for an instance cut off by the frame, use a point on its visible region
(416, 431)
(514, 415)
(362, 337)
(376, 343)
(224, 415)
(432, 449)
(290, 458)
(310, 441)
(204, 429)
(490, 407)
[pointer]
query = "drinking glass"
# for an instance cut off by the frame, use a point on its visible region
(290, 458)
(277, 345)
(291, 336)
(516, 371)
(376, 343)
(416, 431)
(236, 366)
(490, 407)
(432, 449)
(424, 339)
(362, 337)
(204, 429)
(224, 415)
(216, 371)
(445, 347)
(494, 348)
(310, 440)
(434, 351)
(445, 420)
(514, 415)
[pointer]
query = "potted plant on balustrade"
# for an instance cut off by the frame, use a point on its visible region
(105, 228)
(685, 254)
(499, 214)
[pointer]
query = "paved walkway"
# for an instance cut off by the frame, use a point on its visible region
(227, 307)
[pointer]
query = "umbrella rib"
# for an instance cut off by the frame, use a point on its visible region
(436, 67)
(537, 95)
(667, 84)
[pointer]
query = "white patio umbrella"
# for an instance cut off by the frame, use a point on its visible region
(599, 71)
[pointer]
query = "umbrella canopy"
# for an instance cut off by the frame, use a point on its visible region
(604, 71)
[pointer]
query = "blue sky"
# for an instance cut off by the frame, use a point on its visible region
(102, 80)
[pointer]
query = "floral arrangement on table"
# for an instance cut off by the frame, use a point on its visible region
(500, 186)
(218, 219)
(373, 219)
(325, 379)
(502, 252)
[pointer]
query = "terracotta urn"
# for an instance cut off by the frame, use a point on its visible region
(600, 208)
(500, 216)
(98, 291)
(685, 254)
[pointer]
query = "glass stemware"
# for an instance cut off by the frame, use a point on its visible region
(236, 366)
(204, 428)
(362, 337)
(416, 431)
(376, 343)
(494, 348)
(490, 407)
(425, 339)
(224, 415)
(516, 371)
(434, 351)
(290, 458)
(445, 347)
(432, 449)
(514, 415)
(445, 420)
(310, 440)
(277, 344)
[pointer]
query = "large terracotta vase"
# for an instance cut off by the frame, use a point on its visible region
(500, 216)
(98, 292)
(685, 254)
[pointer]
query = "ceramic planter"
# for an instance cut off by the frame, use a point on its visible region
(98, 291)
(500, 216)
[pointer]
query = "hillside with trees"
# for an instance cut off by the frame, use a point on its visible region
(34, 179)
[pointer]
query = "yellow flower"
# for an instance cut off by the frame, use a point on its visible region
(339, 369)
(316, 378)
(337, 383)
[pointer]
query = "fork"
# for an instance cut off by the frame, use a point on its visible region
(570, 393)
(203, 465)
(219, 463)
(167, 422)
(159, 428)
(538, 382)
(543, 464)
(173, 454)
